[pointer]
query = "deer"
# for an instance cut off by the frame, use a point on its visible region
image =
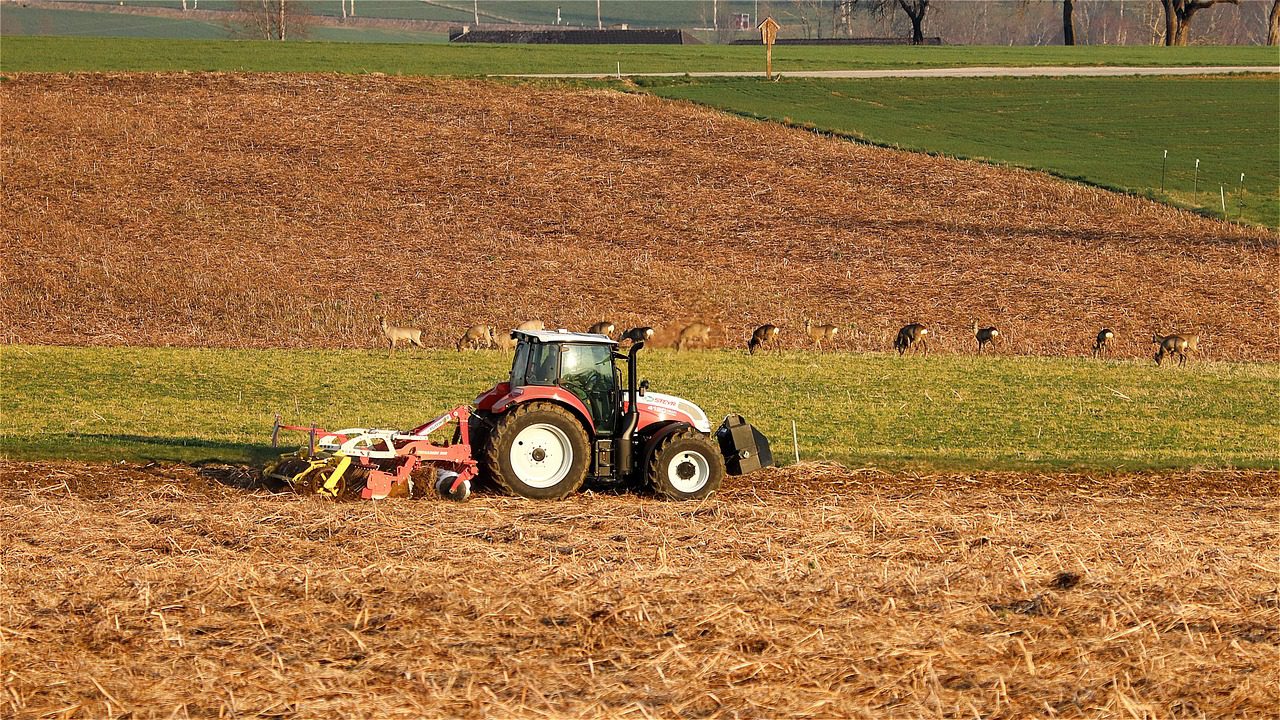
(604, 327)
(984, 335)
(395, 334)
(1101, 344)
(1174, 345)
(531, 325)
(477, 337)
(820, 333)
(762, 336)
(697, 332)
(637, 334)
(912, 334)
(502, 341)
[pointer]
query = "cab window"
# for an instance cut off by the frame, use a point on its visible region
(587, 371)
(535, 364)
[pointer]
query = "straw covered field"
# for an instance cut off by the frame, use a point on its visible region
(167, 591)
(290, 211)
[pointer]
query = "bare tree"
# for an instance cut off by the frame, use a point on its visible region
(270, 19)
(915, 9)
(1068, 19)
(1177, 17)
(1273, 24)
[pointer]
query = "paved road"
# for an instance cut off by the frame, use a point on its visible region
(1047, 70)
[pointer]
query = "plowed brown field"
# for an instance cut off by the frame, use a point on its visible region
(163, 591)
(292, 210)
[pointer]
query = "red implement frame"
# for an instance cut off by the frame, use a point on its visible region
(412, 448)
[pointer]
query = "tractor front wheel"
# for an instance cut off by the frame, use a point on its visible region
(538, 450)
(685, 465)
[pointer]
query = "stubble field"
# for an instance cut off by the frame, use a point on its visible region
(164, 591)
(270, 211)
(289, 211)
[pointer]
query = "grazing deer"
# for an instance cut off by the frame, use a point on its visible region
(531, 325)
(637, 334)
(762, 336)
(477, 337)
(693, 333)
(984, 335)
(604, 327)
(1174, 345)
(820, 333)
(395, 334)
(502, 341)
(1101, 344)
(909, 335)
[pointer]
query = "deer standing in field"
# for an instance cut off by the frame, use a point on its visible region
(820, 333)
(531, 325)
(912, 334)
(984, 335)
(477, 337)
(1174, 345)
(1101, 345)
(502, 341)
(762, 336)
(637, 334)
(603, 327)
(693, 333)
(395, 334)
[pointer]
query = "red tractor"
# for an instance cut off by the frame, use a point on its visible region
(562, 417)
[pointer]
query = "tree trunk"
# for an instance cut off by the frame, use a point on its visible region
(1184, 32)
(282, 20)
(1069, 25)
(1177, 17)
(915, 11)
(1273, 28)
(1170, 22)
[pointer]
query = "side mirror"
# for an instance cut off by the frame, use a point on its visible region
(644, 387)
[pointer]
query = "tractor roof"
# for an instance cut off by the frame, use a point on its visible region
(564, 336)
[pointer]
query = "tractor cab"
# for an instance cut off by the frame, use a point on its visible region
(580, 363)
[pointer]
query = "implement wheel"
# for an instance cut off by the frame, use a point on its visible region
(685, 465)
(537, 450)
(460, 495)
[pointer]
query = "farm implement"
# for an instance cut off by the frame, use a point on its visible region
(562, 417)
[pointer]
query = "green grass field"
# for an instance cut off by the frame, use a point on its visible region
(16, 20)
(946, 412)
(1106, 131)
(61, 54)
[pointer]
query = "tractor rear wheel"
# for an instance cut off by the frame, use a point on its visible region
(537, 450)
(685, 465)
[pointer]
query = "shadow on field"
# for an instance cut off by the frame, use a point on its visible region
(186, 450)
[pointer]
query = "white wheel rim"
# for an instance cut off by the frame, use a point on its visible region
(541, 455)
(688, 471)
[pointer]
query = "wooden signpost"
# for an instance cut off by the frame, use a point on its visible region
(768, 33)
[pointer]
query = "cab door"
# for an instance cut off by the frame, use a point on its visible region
(587, 372)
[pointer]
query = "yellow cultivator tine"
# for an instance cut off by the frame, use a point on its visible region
(330, 486)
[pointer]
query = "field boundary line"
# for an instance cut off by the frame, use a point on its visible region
(951, 72)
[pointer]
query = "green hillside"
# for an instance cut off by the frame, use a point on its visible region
(1072, 127)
